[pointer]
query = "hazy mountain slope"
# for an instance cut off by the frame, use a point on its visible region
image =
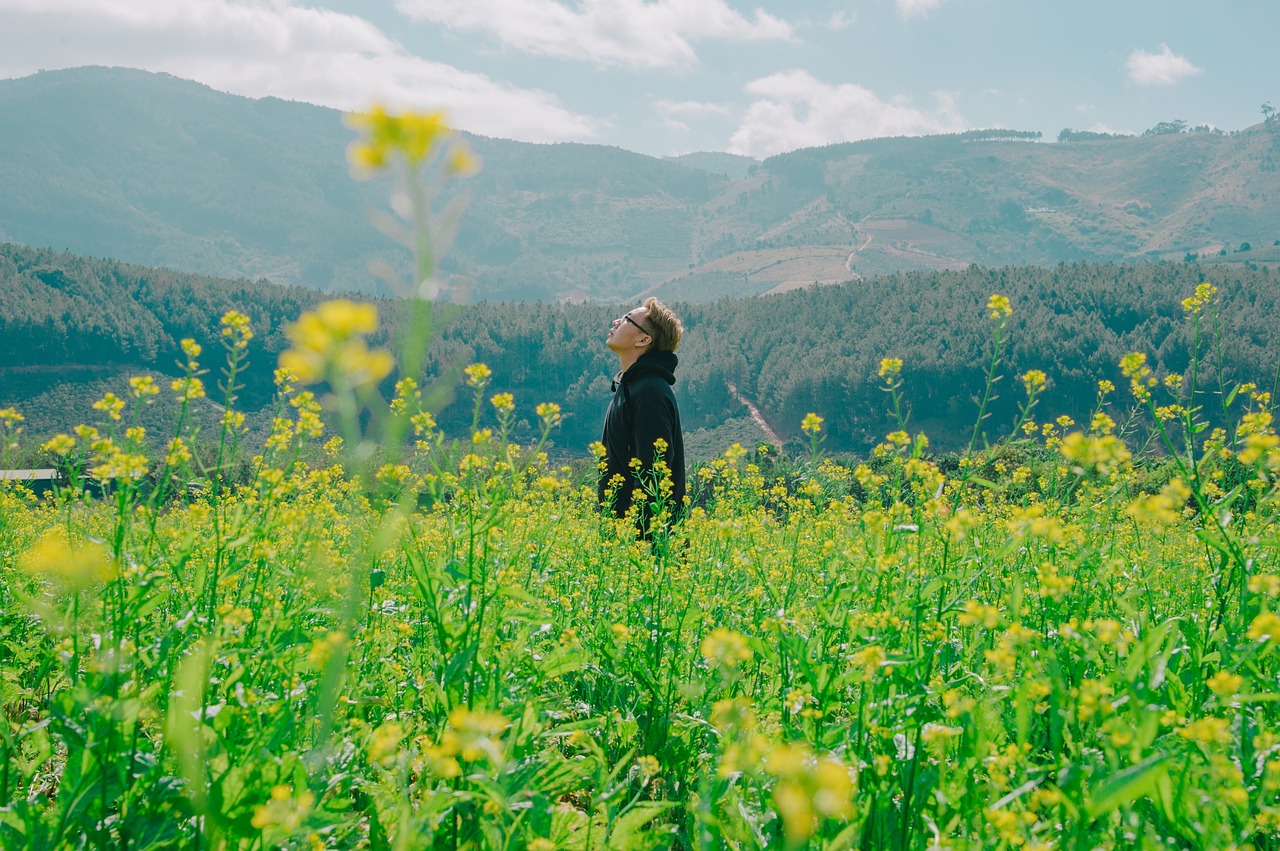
(152, 169)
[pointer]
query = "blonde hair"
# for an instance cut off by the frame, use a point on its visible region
(664, 326)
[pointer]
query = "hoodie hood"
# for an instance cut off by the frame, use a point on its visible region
(661, 364)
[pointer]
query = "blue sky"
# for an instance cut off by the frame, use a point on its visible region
(673, 76)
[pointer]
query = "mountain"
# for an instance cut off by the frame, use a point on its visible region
(149, 168)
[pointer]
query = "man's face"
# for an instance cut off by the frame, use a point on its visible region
(628, 331)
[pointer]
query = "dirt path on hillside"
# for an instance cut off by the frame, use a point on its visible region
(755, 415)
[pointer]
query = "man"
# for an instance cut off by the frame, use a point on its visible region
(643, 413)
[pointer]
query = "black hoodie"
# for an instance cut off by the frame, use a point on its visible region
(642, 410)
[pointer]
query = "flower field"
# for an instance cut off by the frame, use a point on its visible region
(427, 642)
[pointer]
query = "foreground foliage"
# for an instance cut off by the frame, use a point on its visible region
(432, 643)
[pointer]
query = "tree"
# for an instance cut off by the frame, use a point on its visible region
(1167, 128)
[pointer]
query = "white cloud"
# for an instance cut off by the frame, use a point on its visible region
(841, 20)
(916, 8)
(794, 110)
(675, 113)
(1159, 69)
(606, 32)
(273, 47)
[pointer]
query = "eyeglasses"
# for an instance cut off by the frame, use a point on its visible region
(643, 330)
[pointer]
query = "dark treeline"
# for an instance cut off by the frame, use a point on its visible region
(812, 350)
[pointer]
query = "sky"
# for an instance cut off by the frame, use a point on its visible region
(665, 77)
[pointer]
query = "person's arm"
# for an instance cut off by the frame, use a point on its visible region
(655, 420)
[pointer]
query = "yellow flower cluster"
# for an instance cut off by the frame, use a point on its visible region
(329, 343)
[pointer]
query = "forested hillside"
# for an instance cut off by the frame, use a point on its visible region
(72, 325)
(157, 170)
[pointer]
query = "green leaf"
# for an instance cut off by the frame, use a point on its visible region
(628, 831)
(1127, 785)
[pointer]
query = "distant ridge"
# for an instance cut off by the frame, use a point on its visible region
(150, 168)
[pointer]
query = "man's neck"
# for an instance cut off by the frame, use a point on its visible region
(629, 357)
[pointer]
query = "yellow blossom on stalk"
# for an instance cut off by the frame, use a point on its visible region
(1265, 627)
(1134, 367)
(1209, 731)
(998, 307)
(177, 452)
(474, 735)
(1203, 297)
(1033, 380)
(394, 475)
(1258, 447)
(111, 404)
(235, 328)
(975, 613)
(188, 388)
(1267, 584)
(1100, 453)
(143, 385)
(1031, 523)
(890, 367)
(135, 434)
(411, 136)
(503, 403)
(232, 420)
(724, 648)
(60, 444)
(869, 660)
(811, 424)
(74, 566)
(1254, 422)
(549, 413)
(1163, 508)
(808, 789)
(10, 417)
(1101, 424)
(1225, 684)
(478, 375)
(329, 342)
(285, 812)
(385, 741)
(960, 523)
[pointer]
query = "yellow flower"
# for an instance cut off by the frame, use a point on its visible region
(1033, 380)
(478, 375)
(998, 307)
(1207, 731)
(143, 385)
(75, 567)
(329, 342)
(111, 404)
(811, 424)
(1265, 627)
(385, 741)
(411, 136)
(808, 789)
(61, 444)
(503, 403)
(549, 413)
(1225, 684)
(890, 367)
(724, 648)
(285, 812)
(236, 330)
